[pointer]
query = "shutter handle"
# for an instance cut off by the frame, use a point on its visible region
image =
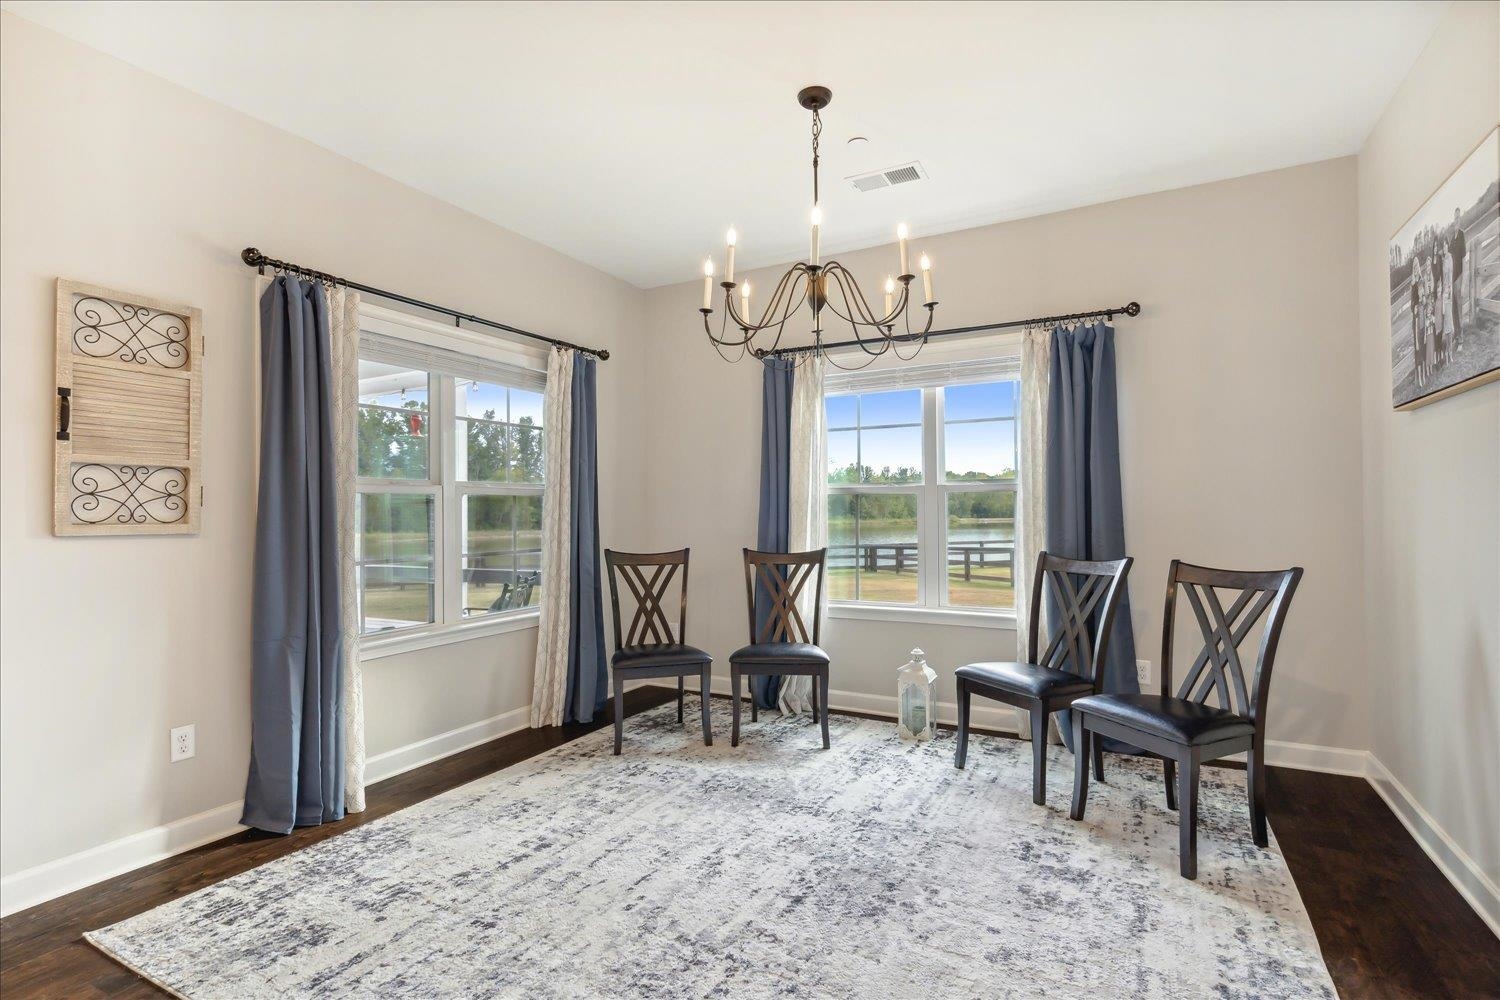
(65, 413)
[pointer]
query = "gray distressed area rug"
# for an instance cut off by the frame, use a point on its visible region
(776, 869)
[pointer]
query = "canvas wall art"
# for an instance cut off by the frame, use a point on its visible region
(1445, 286)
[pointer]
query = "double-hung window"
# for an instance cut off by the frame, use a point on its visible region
(449, 511)
(922, 479)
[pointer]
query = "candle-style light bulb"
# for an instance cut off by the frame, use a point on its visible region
(817, 223)
(731, 238)
(745, 303)
(901, 234)
(708, 283)
(926, 266)
(890, 291)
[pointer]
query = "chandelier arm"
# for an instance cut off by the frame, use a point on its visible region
(720, 339)
(896, 311)
(771, 306)
(839, 277)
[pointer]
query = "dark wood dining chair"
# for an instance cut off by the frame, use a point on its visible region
(1087, 594)
(1184, 730)
(782, 645)
(649, 648)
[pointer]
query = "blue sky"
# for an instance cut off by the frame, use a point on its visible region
(970, 447)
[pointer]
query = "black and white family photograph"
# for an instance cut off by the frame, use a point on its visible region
(1445, 286)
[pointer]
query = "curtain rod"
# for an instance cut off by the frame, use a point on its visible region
(260, 261)
(1130, 309)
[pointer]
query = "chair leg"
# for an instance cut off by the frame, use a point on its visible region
(1081, 737)
(1255, 787)
(815, 697)
(1187, 818)
(1039, 718)
(619, 712)
(681, 687)
(1096, 752)
(1169, 773)
(823, 685)
(705, 684)
(734, 689)
(754, 703)
(961, 752)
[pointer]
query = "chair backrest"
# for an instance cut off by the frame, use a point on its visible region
(1218, 668)
(1087, 593)
(647, 576)
(781, 577)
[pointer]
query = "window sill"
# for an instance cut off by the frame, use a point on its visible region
(924, 616)
(377, 647)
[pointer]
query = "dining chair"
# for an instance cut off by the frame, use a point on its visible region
(781, 643)
(1184, 730)
(1087, 594)
(649, 648)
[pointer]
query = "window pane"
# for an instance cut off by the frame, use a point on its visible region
(843, 456)
(502, 548)
(484, 451)
(891, 455)
(982, 549)
(393, 429)
(529, 548)
(842, 552)
(980, 451)
(886, 556)
(525, 405)
(526, 453)
(395, 532)
(901, 406)
(985, 399)
(479, 399)
(842, 411)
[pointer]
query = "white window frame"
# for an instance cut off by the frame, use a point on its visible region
(443, 485)
(932, 521)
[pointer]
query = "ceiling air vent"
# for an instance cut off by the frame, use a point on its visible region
(889, 177)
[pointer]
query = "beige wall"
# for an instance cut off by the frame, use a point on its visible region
(1239, 409)
(1432, 476)
(113, 176)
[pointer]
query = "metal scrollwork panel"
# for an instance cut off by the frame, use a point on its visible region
(128, 494)
(103, 328)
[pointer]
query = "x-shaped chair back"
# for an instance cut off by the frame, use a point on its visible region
(782, 576)
(648, 575)
(1086, 594)
(1218, 668)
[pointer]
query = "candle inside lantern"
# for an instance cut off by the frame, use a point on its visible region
(730, 239)
(901, 234)
(926, 266)
(890, 290)
(708, 284)
(817, 223)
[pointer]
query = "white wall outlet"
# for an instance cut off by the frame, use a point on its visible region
(1143, 673)
(184, 742)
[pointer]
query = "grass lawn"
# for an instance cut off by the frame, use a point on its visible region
(995, 590)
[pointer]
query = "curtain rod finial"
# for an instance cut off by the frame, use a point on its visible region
(1133, 309)
(250, 256)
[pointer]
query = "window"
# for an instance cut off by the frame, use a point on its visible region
(922, 487)
(451, 462)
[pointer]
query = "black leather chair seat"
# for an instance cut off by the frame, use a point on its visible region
(667, 654)
(1024, 678)
(778, 652)
(1184, 722)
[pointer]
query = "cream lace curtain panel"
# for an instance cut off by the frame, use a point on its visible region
(343, 329)
(807, 517)
(549, 684)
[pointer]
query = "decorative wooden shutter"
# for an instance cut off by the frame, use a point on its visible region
(129, 414)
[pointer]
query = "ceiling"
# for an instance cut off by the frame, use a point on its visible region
(631, 135)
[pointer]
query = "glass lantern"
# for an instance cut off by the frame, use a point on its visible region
(916, 694)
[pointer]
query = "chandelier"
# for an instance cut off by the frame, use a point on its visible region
(825, 286)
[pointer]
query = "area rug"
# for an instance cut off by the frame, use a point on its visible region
(775, 869)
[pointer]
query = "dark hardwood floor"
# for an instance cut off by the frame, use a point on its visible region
(1389, 923)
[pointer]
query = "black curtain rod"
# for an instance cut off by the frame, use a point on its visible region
(260, 261)
(1131, 309)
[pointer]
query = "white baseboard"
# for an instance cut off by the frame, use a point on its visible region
(76, 871)
(1463, 871)
(1309, 757)
(414, 755)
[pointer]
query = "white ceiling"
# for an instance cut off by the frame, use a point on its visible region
(630, 135)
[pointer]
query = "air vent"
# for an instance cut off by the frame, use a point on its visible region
(904, 174)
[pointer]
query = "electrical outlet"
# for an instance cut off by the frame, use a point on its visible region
(184, 742)
(1143, 673)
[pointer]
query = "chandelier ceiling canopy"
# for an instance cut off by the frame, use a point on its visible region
(824, 286)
